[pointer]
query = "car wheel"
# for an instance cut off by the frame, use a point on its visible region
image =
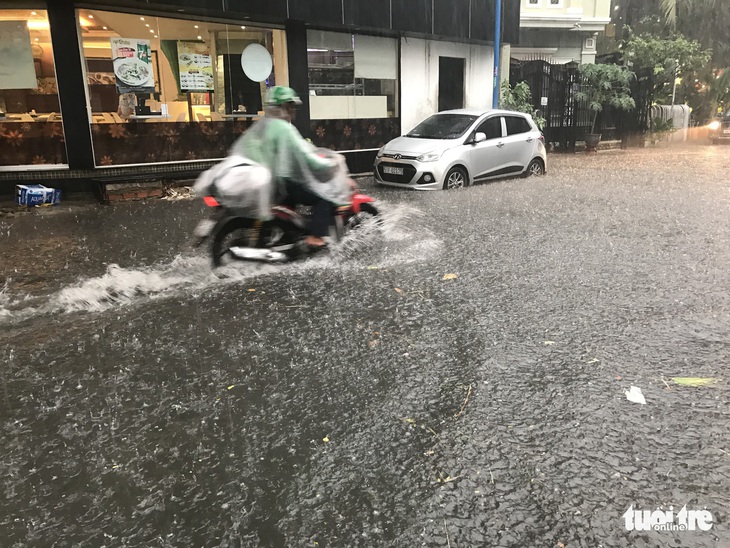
(535, 168)
(455, 179)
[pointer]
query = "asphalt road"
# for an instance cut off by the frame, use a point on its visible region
(457, 381)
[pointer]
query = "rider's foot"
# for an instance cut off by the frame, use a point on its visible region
(314, 241)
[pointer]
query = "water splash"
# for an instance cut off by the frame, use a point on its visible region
(396, 238)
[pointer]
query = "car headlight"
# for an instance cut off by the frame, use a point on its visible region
(380, 152)
(714, 126)
(429, 157)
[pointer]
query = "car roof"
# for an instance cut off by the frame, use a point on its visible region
(481, 112)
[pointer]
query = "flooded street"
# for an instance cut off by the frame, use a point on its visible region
(457, 381)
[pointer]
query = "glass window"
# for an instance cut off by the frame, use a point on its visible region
(517, 125)
(163, 89)
(351, 76)
(443, 126)
(31, 130)
(491, 127)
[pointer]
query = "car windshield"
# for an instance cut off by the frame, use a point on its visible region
(443, 126)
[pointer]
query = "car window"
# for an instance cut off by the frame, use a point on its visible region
(517, 125)
(443, 126)
(491, 127)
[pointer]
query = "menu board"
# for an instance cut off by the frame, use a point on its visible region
(133, 65)
(196, 66)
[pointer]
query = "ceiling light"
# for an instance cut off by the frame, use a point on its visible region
(152, 31)
(141, 18)
(195, 26)
(36, 39)
(34, 13)
(90, 16)
(147, 25)
(155, 36)
(104, 28)
(243, 27)
(40, 25)
(200, 37)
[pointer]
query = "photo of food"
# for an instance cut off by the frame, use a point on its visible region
(132, 72)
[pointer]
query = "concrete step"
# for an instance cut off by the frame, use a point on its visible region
(580, 146)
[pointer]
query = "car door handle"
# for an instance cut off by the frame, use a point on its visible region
(529, 139)
(500, 145)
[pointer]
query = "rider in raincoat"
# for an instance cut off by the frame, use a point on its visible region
(302, 174)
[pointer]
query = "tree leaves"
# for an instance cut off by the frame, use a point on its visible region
(694, 381)
(606, 85)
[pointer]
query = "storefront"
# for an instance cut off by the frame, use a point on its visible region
(86, 87)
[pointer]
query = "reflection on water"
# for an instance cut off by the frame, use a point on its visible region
(363, 400)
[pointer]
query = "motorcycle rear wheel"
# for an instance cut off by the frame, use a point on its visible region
(237, 232)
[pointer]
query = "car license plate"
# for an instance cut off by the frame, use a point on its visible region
(393, 170)
(204, 227)
(726, 131)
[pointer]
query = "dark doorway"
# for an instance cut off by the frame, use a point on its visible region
(451, 83)
(240, 89)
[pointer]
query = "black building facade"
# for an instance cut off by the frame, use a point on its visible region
(107, 88)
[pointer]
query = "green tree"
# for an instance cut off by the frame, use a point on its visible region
(668, 58)
(706, 21)
(519, 98)
(604, 85)
(674, 8)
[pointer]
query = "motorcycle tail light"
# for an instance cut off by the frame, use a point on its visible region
(210, 201)
(542, 138)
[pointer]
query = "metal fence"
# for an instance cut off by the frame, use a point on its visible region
(567, 120)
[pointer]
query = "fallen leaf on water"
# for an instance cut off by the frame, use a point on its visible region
(694, 381)
(326, 439)
(618, 377)
(373, 344)
(398, 289)
(373, 267)
(409, 420)
(230, 387)
(450, 276)
(594, 360)
(251, 290)
(548, 343)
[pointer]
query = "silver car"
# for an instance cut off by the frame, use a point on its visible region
(456, 148)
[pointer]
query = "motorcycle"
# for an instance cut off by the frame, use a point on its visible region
(234, 236)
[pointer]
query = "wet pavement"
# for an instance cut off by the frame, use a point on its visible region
(456, 381)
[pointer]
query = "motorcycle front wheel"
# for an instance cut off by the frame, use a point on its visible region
(367, 213)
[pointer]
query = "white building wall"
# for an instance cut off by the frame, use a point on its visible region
(420, 77)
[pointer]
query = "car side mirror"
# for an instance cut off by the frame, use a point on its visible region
(479, 137)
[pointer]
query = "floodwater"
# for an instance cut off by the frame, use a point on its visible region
(457, 380)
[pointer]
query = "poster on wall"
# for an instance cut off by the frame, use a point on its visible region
(196, 66)
(17, 69)
(133, 65)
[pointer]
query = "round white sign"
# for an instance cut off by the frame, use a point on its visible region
(256, 62)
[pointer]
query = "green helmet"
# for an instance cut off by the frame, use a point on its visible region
(280, 95)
